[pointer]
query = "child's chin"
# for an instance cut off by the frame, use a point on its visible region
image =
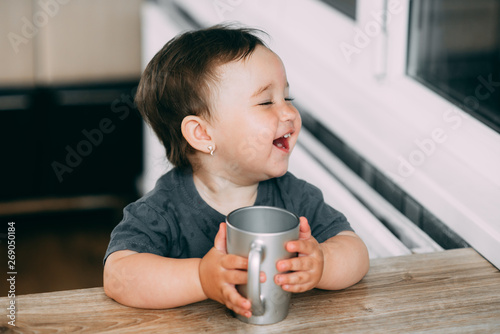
(281, 172)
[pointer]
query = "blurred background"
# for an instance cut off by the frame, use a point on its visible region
(399, 99)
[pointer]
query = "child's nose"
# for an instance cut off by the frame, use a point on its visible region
(288, 112)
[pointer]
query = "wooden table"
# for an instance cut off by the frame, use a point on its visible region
(454, 291)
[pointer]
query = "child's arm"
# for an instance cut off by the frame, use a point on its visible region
(346, 261)
(337, 263)
(150, 281)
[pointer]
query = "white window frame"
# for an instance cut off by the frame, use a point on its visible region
(366, 98)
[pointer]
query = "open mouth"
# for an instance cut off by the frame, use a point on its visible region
(282, 142)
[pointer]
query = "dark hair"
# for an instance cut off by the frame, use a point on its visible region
(176, 83)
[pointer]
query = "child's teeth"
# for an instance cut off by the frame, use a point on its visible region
(286, 136)
(279, 145)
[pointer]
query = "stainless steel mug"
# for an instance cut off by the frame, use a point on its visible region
(261, 233)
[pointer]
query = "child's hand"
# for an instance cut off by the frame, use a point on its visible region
(307, 268)
(220, 272)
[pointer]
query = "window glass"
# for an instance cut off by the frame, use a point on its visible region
(348, 7)
(454, 49)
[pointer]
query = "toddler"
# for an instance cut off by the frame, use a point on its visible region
(218, 100)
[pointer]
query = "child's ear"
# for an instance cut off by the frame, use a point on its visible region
(194, 130)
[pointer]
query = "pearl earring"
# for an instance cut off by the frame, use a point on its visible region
(211, 149)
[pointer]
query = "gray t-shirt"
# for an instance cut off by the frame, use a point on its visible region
(174, 221)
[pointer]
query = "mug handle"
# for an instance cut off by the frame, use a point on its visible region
(253, 283)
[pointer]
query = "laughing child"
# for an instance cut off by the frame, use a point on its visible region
(218, 100)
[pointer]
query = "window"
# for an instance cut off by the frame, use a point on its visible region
(392, 97)
(348, 7)
(454, 49)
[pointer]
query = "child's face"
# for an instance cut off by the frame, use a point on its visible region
(255, 125)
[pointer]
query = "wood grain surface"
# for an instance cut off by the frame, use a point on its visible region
(454, 291)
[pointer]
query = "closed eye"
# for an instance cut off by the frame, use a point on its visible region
(268, 103)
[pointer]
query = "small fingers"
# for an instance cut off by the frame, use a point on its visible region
(295, 282)
(300, 273)
(295, 264)
(301, 246)
(244, 312)
(236, 302)
(234, 262)
(304, 229)
(292, 278)
(238, 277)
(235, 277)
(220, 239)
(297, 288)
